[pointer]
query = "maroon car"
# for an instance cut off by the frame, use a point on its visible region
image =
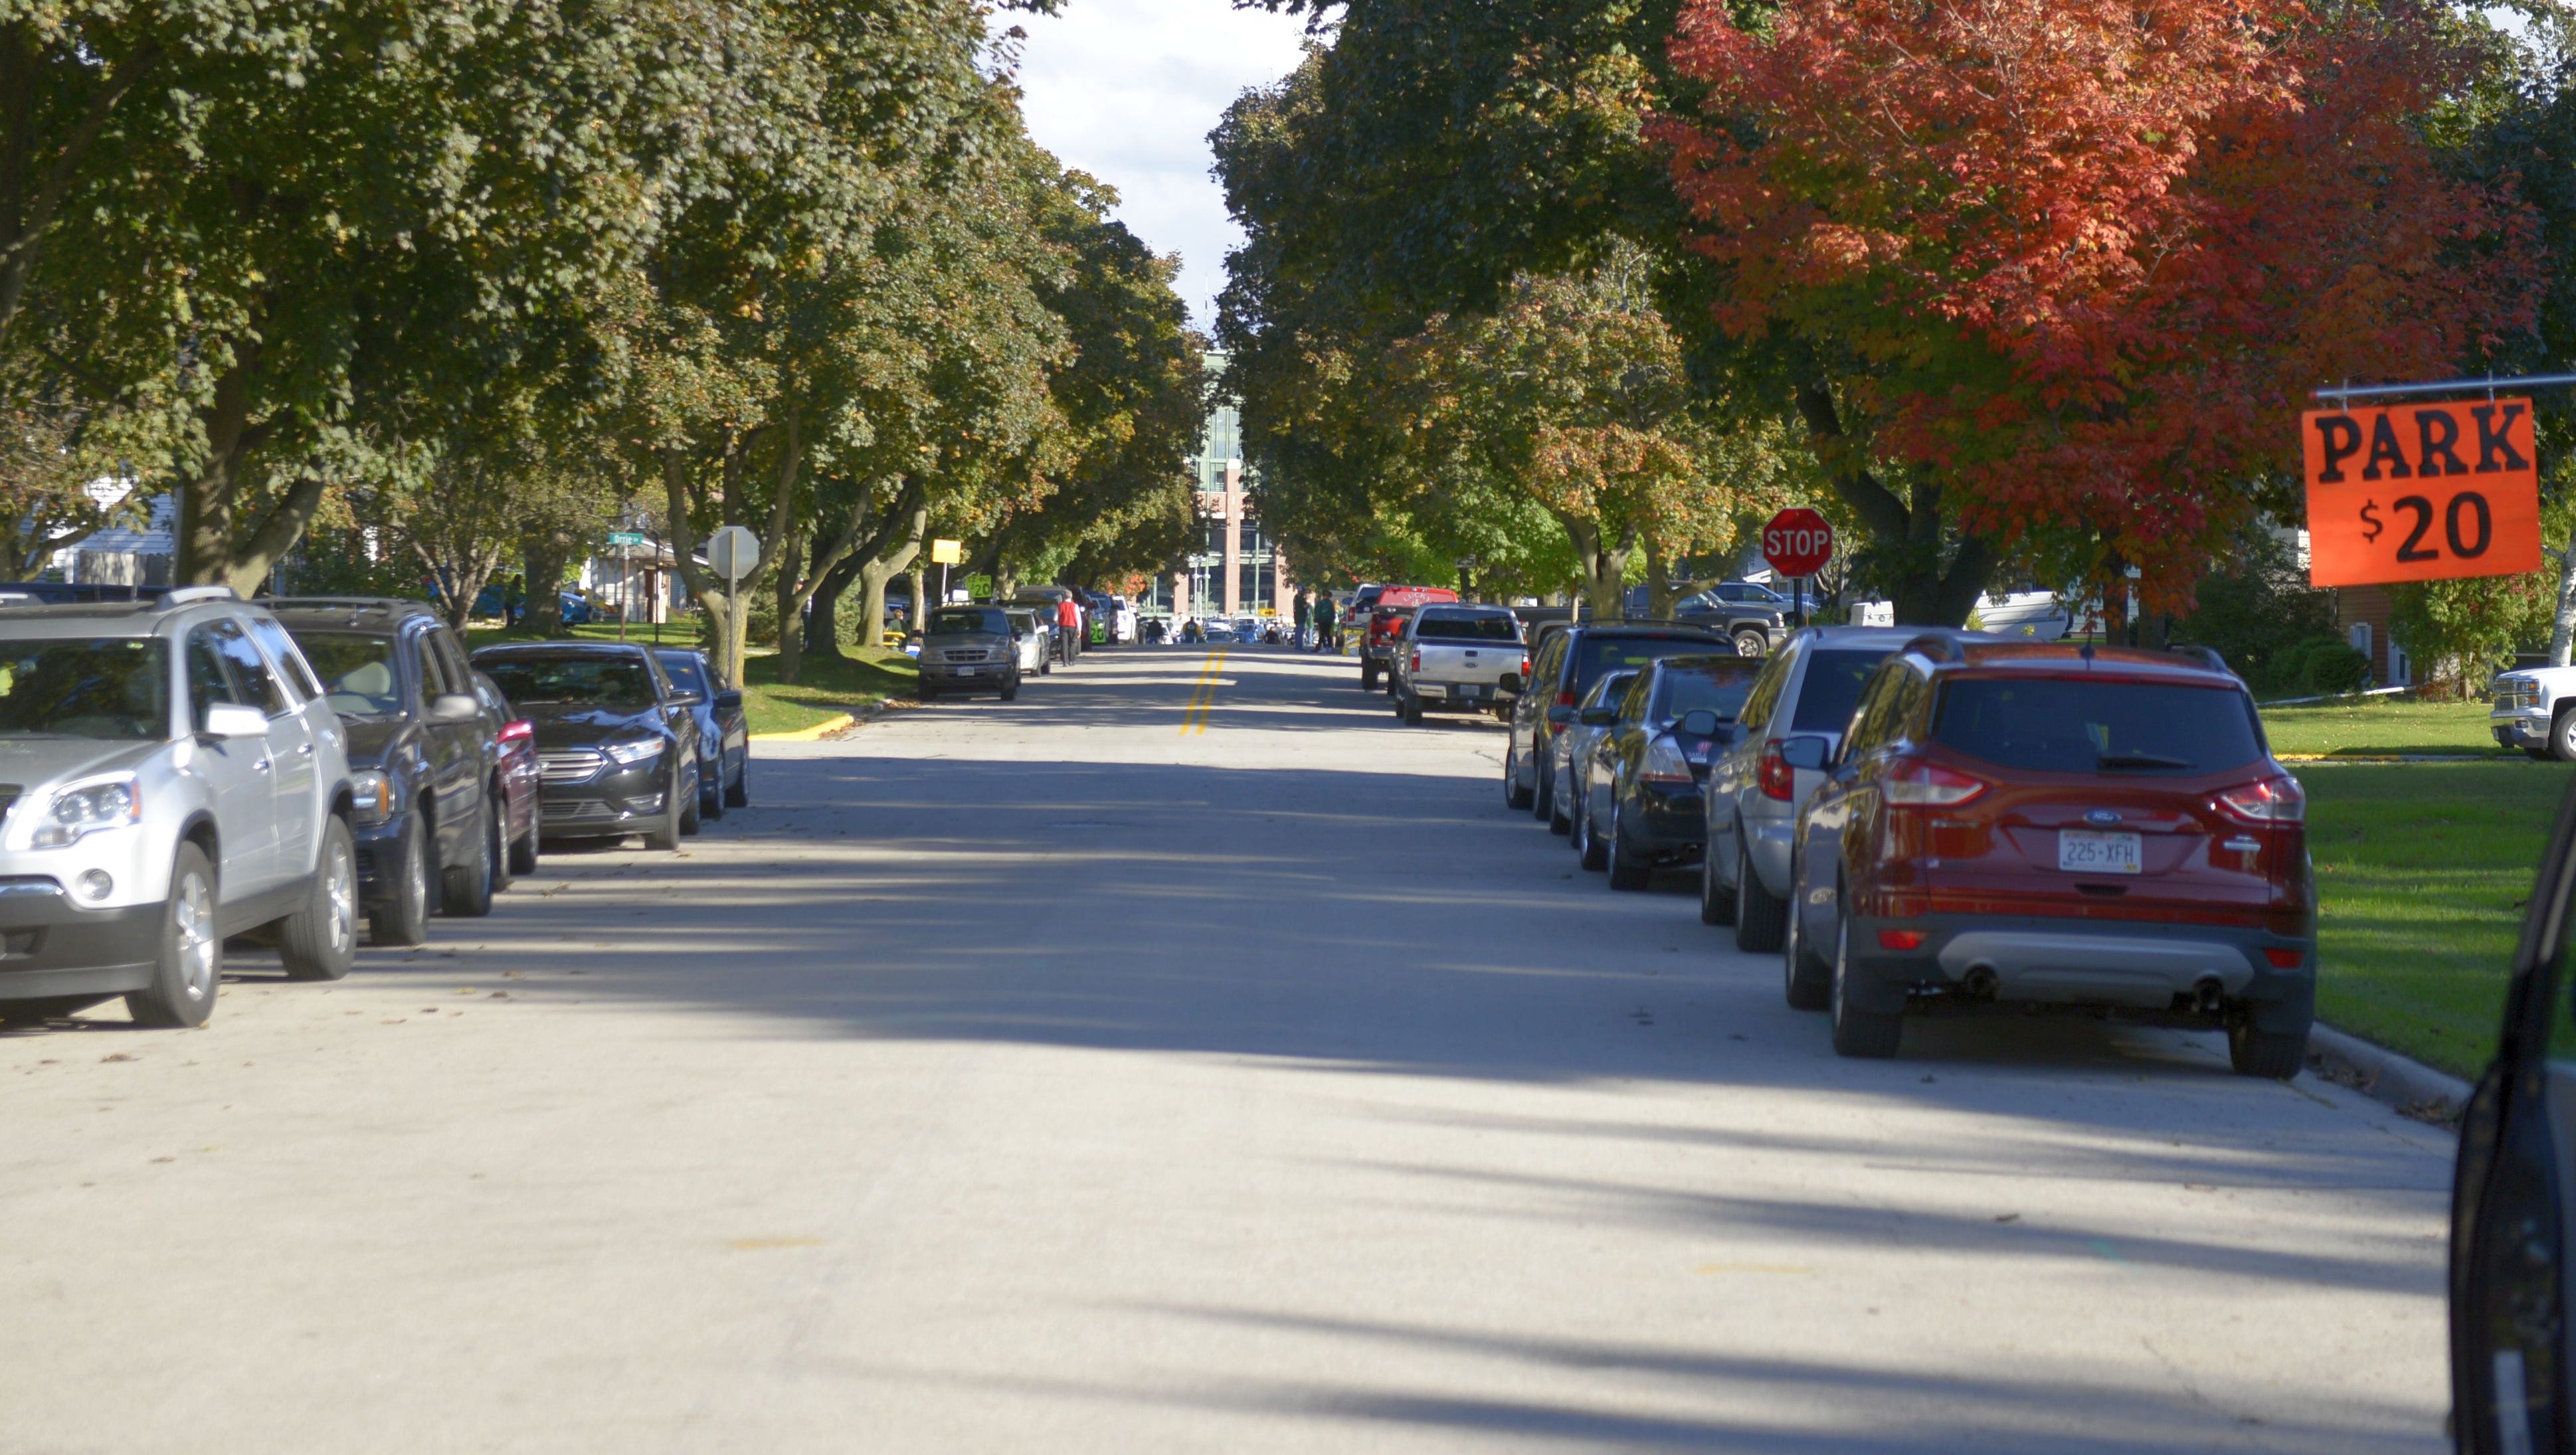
(2047, 825)
(520, 775)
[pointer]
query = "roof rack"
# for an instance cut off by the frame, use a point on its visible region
(191, 595)
(2205, 656)
(1934, 647)
(333, 603)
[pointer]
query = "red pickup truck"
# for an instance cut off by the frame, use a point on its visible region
(1385, 609)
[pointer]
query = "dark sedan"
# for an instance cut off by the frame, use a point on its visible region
(618, 746)
(724, 732)
(1642, 789)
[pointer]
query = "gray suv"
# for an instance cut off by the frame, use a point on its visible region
(174, 777)
(1754, 793)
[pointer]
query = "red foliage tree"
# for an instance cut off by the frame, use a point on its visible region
(2081, 259)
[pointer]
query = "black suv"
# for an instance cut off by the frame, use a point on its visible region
(1566, 666)
(424, 757)
(617, 739)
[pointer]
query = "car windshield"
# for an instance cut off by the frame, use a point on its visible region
(958, 621)
(1596, 655)
(1832, 688)
(1483, 626)
(585, 681)
(357, 672)
(85, 687)
(682, 668)
(2097, 725)
(1720, 687)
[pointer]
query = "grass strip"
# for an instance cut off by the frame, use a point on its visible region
(2374, 726)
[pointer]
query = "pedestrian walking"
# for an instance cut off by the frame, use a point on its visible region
(1068, 627)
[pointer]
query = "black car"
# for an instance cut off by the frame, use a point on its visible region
(1642, 799)
(1563, 667)
(618, 745)
(432, 821)
(724, 732)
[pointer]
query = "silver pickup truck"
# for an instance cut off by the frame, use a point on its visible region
(1457, 659)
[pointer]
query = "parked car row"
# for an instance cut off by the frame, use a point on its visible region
(1933, 822)
(192, 767)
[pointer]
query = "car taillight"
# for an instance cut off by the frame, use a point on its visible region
(1524, 666)
(513, 732)
(2271, 801)
(1779, 780)
(1665, 763)
(2284, 959)
(1417, 659)
(1565, 699)
(1929, 785)
(1901, 939)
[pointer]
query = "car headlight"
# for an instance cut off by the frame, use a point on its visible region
(643, 750)
(373, 796)
(88, 807)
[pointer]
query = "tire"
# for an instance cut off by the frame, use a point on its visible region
(739, 795)
(189, 971)
(1368, 677)
(1751, 643)
(497, 825)
(690, 823)
(711, 804)
(1629, 870)
(1542, 796)
(1514, 795)
(404, 919)
(465, 890)
(1011, 690)
(320, 941)
(1760, 915)
(1807, 982)
(1863, 1035)
(523, 854)
(1409, 708)
(1716, 906)
(926, 692)
(1588, 847)
(2562, 735)
(665, 835)
(2272, 1055)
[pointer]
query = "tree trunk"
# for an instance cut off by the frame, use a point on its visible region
(791, 632)
(884, 567)
(1604, 570)
(546, 556)
(2562, 632)
(921, 603)
(823, 620)
(1659, 586)
(1906, 531)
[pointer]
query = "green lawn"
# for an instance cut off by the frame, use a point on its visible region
(2377, 725)
(827, 687)
(2422, 869)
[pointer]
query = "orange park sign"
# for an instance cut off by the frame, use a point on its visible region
(2421, 492)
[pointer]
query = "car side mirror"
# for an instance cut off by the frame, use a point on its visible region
(1600, 716)
(1511, 682)
(729, 700)
(234, 720)
(1806, 751)
(1559, 716)
(453, 707)
(1699, 722)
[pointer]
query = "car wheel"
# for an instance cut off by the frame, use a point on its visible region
(1514, 795)
(1409, 707)
(404, 919)
(1543, 797)
(523, 854)
(1628, 868)
(739, 795)
(1868, 1035)
(2562, 735)
(926, 692)
(496, 821)
(665, 835)
(320, 941)
(1760, 916)
(189, 969)
(1807, 981)
(1594, 855)
(711, 793)
(465, 890)
(1368, 677)
(689, 821)
(1011, 690)
(1716, 905)
(2272, 1055)
(1751, 643)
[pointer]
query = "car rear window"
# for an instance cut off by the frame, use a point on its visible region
(1445, 626)
(1832, 688)
(2097, 725)
(1719, 687)
(1597, 655)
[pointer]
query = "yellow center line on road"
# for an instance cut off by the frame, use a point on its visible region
(1204, 694)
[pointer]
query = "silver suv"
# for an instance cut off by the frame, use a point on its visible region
(1755, 789)
(173, 776)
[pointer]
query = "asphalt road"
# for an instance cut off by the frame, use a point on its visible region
(1093, 1073)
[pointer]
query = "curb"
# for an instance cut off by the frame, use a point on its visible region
(816, 733)
(2384, 1076)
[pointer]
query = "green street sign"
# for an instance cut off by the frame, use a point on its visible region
(980, 586)
(626, 538)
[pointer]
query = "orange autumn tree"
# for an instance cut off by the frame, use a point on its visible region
(2076, 263)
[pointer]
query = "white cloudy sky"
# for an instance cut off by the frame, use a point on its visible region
(1127, 90)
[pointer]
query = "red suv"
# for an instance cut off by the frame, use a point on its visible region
(2044, 824)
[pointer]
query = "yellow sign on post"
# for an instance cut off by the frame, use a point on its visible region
(946, 553)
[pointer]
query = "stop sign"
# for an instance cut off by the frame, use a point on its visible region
(1797, 542)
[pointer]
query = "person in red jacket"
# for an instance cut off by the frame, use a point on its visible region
(1068, 637)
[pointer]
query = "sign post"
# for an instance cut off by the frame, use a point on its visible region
(1797, 544)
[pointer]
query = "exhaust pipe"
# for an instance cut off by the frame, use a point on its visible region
(1980, 982)
(2205, 996)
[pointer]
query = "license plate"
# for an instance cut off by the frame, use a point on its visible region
(1467, 693)
(2084, 851)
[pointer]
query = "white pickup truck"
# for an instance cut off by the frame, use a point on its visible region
(1455, 658)
(2535, 710)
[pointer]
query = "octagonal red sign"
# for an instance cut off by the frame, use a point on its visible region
(1798, 542)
